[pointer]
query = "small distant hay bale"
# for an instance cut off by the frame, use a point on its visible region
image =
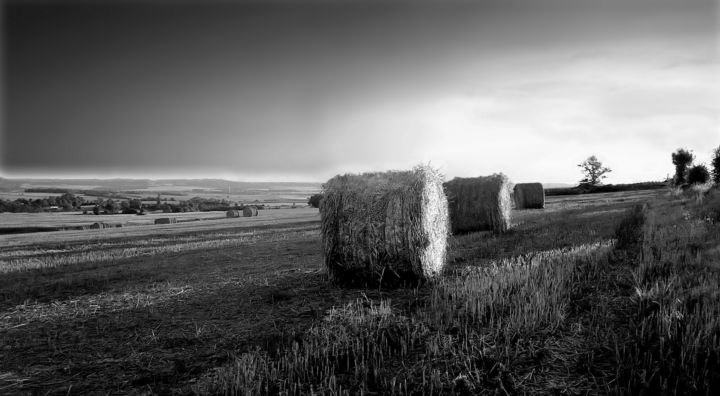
(529, 196)
(250, 211)
(389, 227)
(98, 226)
(166, 220)
(232, 213)
(479, 203)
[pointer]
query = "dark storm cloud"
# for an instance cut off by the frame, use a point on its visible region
(156, 85)
(312, 89)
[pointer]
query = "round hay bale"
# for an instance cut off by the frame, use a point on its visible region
(529, 196)
(384, 228)
(166, 220)
(98, 226)
(479, 203)
(232, 213)
(250, 211)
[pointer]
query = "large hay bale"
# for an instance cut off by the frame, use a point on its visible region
(388, 227)
(166, 220)
(232, 213)
(479, 203)
(98, 226)
(529, 196)
(250, 211)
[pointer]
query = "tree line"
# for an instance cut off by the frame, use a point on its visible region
(69, 202)
(688, 174)
(65, 202)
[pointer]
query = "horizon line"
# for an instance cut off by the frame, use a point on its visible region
(35, 176)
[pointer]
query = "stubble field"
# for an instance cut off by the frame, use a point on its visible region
(591, 295)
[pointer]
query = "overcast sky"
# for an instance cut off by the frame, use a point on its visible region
(301, 91)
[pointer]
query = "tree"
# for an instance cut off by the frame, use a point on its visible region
(682, 159)
(314, 200)
(716, 165)
(111, 206)
(593, 170)
(135, 204)
(698, 174)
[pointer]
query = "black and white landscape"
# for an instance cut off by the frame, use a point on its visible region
(401, 197)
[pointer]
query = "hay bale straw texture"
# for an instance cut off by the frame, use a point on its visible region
(529, 196)
(479, 203)
(166, 220)
(232, 213)
(384, 227)
(250, 211)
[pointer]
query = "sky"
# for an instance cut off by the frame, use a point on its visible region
(302, 91)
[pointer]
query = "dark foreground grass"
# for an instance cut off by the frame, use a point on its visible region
(635, 317)
(516, 320)
(674, 347)
(503, 328)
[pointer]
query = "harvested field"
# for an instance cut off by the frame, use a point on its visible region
(186, 223)
(243, 308)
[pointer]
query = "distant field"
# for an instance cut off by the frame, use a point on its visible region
(242, 306)
(139, 226)
(77, 218)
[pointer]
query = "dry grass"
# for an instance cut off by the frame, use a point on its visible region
(675, 348)
(477, 334)
(535, 322)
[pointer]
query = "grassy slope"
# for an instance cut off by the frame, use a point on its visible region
(674, 311)
(541, 308)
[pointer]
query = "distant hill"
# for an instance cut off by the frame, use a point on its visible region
(144, 188)
(154, 185)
